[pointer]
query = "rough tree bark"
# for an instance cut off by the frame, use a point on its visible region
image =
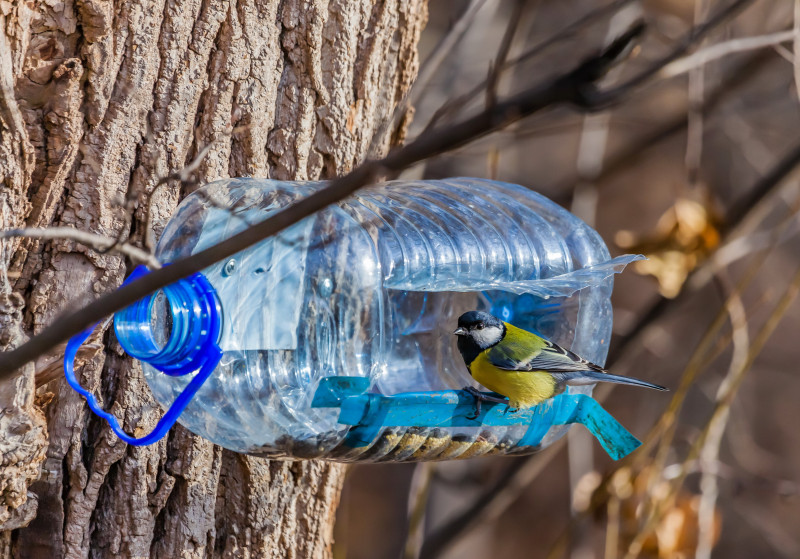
(98, 100)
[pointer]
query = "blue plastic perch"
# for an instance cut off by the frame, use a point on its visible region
(370, 413)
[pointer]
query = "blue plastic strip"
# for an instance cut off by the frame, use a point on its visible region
(205, 355)
(369, 413)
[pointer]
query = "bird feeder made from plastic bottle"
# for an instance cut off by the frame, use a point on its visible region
(334, 338)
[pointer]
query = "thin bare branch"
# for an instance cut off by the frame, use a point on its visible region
(747, 71)
(699, 360)
(418, 495)
(476, 514)
(741, 247)
(440, 52)
(762, 189)
(185, 176)
(796, 47)
(577, 87)
(591, 156)
(734, 216)
(612, 528)
(695, 116)
(665, 428)
(567, 88)
(502, 52)
(765, 522)
(429, 67)
(567, 32)
(726, 48)
(727, 394)
(492, 502)
(597, 100)
(709, 454)
(92, 240)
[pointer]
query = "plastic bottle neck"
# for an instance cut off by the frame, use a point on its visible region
(173, 329)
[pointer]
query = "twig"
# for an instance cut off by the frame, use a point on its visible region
(765, 521)
(765, 186)
(695, 122)
(720, 50)
(593, 141)
(722, 407)
(597, 100)
(569, 31)
(735, 215)
(796, 47)
(746, 137)
(570, 87)
(92, 240)
(440, 52)
(429, 67)
(123, 233)
(182, 175)
(759, 191)
(491, 502)
(748, 70)
(591, 156)
(612, 528)
(665, 428)
(185, 176)
(744, 246)
(592, 99)
(418, 495)
(502, 52)
(709, 454)
(440, 540)
(730, 387)
(563, 34)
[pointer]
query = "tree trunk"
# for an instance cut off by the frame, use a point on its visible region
(98, 101)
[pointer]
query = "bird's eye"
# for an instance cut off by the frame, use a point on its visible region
(480, 326)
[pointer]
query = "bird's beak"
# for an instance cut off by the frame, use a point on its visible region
(460, 331)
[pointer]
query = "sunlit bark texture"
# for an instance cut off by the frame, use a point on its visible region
(98, 100)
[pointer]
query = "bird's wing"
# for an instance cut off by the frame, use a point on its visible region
(545, 356)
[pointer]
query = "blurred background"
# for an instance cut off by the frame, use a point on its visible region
(695, 169)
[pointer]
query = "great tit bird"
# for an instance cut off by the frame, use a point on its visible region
(522, 366)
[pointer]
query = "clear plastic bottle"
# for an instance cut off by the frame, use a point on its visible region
(372, 288)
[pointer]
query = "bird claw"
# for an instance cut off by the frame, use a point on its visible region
(480, 397)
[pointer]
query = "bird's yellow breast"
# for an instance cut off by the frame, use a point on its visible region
(522, 388)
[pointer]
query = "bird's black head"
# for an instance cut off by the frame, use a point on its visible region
(476, 332)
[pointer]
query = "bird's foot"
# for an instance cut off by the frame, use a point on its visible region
(478, 399)
(481, 397)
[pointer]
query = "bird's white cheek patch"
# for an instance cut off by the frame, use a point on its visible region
(488, 336)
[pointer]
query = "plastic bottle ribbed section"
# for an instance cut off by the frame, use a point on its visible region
(373, 287)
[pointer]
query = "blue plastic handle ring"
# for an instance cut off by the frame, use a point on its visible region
(200, 350)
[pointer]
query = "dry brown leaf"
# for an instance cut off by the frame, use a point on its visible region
(682, 238)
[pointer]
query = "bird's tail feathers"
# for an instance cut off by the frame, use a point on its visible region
(580, 378)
